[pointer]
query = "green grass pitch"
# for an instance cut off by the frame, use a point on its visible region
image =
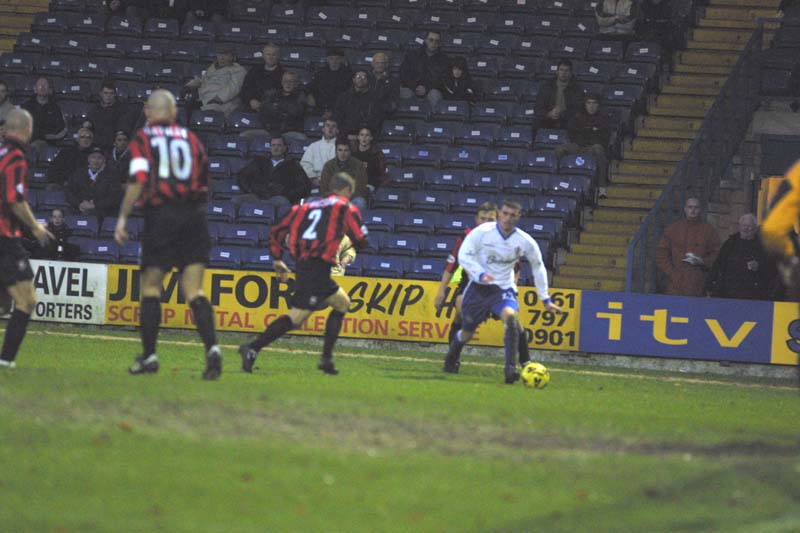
(391, 444)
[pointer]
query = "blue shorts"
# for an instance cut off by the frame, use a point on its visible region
(482, 301)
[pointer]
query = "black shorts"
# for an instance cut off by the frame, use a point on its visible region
(175, 236)
(462, 284)
(14, 264)
(313, 285)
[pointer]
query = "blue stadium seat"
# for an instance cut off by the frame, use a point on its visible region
(126, 26)
(455, 223)
(242, 234)
(467, 157)
(47, 154)
(558, 7)
(482, 67)
(150, 50)
(547, 24)
(528, 47)
(185, 51)
(517, 68)
(308, 37)
(350, 38)
(539, 161)
(207, 121)
(516, 23)
(374, 240)
(548, 139)
(221, 211)
(548, 229)
(226, 145)
(430, 156)
(125, 69)
(97, 250)
(635, 74)
(385, 39)
(37, 179)
(491, 112)
(50, 22)
(197, 31)
(407, 177)
(470, 22)
(437, 133)
(130, 252)
(82, 225)
(18, 63)
(468, 202)
(109, 46)
(430, 200)
(484, 181)
(459, 43)
(573, 186)
(527, 184)
(494, 44)
(595, 72)
(237, 32)
(167, 72)
(445, 5)
(225, 256)
(514, 137)
(287, 15)
(90, 23)
(240, 121)
(554, 206)
(303, 58)
(379, 220)
(503, 90)
(503, 159)
(570, 47)
(437, 246)
(415, 222)
(477, 134)
(605, 51)
(109, 225)
(429, 268)
(585, 27)
(644, 52)
(248, 11)
(257, 212)
(49, 200)
(256, 259)
(581, 163)
(446, 180)
(403, 244)
(218, 168)
(224, 189)
(397, 131)
(388, 198)
(396, 19)
(53, 66)
(38, 43)
(327, 16)
(412, 109)
(623, 95)
(91, 68)
(383, 267)
(452, 110)
(523, 114)
(158, 28)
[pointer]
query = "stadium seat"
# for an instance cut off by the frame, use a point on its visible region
(127, 70)
(379, 220)
(468, 202)
(503, 159)
(582, 163)
(308, 37)
(623, 95)
(109, 225)
(18, 63)
(437, 246)
(524, 113)
(242, 234)
(526, 184)
(611, 51)
(224, 189)
(287, 15)
(482, 67)
(125, 26)
(494, 44)
(185, 51)
(437, 133)
(97, 250)
(130, 252)
(573, 186)
(491, 112)
(415, 222)
(459, 43)
(256, 259)
(539, 161)
(412, 109)
(467, 157)
(635, 74)
(50, 22)
(91, 68)
(90, 23)
(429, 156)
(643, 52)
(477, 134)
(348, 38)
(554, 206)
(407, 177)
(82, 225)
(397, 131)
(221, 211)
(257, 212)
(516, 23)
(207, 121)
(38, 43)
(388, 198)
(226, 145)
(528, 47)
(248, 11)
(53, 66)
(454, 223)
(429, 268)
(470, 22)
(161, 28)
(385, 267)
(547, 24)
(437, 201)
(403, 244)
(593, 72)
(585, 27)
(558, 7)
(49, 200)
(549, 139)
(514, 137)
(484, 181)
(570, 47)
(218, 167)
(446, 180)
(452, 110)
(197, 31)
(225, 256)
(148, 50)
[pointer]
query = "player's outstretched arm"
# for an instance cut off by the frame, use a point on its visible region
(132, 194)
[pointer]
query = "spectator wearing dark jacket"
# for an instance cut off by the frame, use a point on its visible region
(95, 189)
(423, 71)
(458, 82)
(358, 108)
(48, 120)
(273, 176)
(261, 79)
(743, 269)
(120, 156)
(108, 116)
(329, 82)
(590, 132)
(69, 159)
(59, 248)
(365, 151)
(559, 99)
(284, 111)
(385, 86)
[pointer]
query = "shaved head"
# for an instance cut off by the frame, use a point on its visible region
(160, 106)
(19, 124)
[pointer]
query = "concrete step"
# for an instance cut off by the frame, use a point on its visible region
(592, 260)
(16, 22)
(709, 35)
(739, 13)
(713, 45)
(697, 80)
(674, 112)
(658, 145)
(597, 271)
(746, 3)
(650, 156)
(604, 240)
(672, 123)
(635, 192)
(685, 68)
(638, 179)
(657, 133)
(624, 202)
(620, 216)
(728, 24)
(686, 90)
(685, 102)
(645, 168)
(611, 228)
(708, 58)
(574, 282)
(596, 249)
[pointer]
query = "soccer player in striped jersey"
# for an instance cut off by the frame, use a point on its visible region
(313, 232)
(169, 179)
(488, 254)
(16, 276)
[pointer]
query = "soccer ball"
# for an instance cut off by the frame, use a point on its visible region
(535, 376)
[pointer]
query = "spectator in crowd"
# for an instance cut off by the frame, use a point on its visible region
(423, 71)
(743, 269)
(590, 131)
(261, 80)
(5, 101)
(218, 89)
(120, 155)
(213, 10)
(320, 152)
(344, 256)
(69, 159)
(616, 19)
(273, 176)
(657, 24)
(385, 86)
(95, 189)
(558, 99)
(108, 116)
(365, 151)
(48, 120)
(58, 248)
(329, 82)
(458, 83)
(358, 107)
(344, 162)
(116, 7)
(284, 110)
(686, 249)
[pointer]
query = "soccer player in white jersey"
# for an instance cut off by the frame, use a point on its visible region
(488, 254)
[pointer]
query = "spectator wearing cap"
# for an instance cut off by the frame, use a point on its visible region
(423, 70)
(358, 107)
(329, 82)
(69, 159)
(120, 155)
(590, 132)
(95, 189)
(385, 86)
(219, 87)
(49, 125)
(109, 115)
(260, 80)
(5, 101)
(283, 111)
(344, 162)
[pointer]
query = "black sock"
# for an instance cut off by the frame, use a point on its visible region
(150, 321)
(204, 320)
(511, 344)
(454, 327)
(524, 349)
(454, 352)
(273, 331)
(15, 332)
(332, 328)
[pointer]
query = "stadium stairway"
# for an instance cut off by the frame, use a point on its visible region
(663, 135)
(16, 17)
